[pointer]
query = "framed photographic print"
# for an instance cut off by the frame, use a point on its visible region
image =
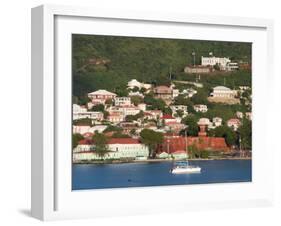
(139, 112)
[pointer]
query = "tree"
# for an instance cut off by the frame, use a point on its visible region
(200, 97)
(101, 146)
(98, 107)
(109, 102)
(151, 139)
(133, 132)
(105, 114)
(245, 132)
(224, 131)
(180, 113)
(143, 90)
(193, 151)
(136, 100)
(192, 127)
(76, 137)
(121, 91)
(204, 154)
(135, 89)
(83, 121)
(83, 100)
(168, 111)
(120, 135)
(112, 128)
(217, 67)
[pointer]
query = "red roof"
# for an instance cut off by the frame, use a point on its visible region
(123, 141)
(85, 142)
(167, 117)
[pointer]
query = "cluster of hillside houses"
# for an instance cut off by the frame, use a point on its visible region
(118, 108)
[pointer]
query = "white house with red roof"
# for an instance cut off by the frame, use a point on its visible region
(118, 148)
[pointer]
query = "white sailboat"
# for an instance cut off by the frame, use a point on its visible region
(183, 167)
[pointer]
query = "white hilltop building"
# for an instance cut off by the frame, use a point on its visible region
(212, 61)
(135, 83)
(223, 92)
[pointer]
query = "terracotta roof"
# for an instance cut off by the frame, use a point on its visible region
(123, 141)
(85, 142)
(167, 117)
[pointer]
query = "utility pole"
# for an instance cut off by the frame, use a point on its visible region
(170, 72)
(193, 54)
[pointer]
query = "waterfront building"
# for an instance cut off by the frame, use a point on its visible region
(118, 148)
(233, 123)
(223, 92)
(200, 108)
(173, 143)
(100, 96)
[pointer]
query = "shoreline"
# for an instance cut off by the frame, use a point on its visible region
(156, 160)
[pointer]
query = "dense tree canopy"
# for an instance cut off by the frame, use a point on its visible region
(100, 60)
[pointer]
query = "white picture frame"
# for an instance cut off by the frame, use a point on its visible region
(51, 169)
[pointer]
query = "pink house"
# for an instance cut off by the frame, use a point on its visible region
(233, 123)
(100, 96)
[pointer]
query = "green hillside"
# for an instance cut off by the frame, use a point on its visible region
(107, 62)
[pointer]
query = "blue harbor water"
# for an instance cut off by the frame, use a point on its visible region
(98, 176)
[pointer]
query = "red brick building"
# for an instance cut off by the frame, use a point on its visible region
(174, 143)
